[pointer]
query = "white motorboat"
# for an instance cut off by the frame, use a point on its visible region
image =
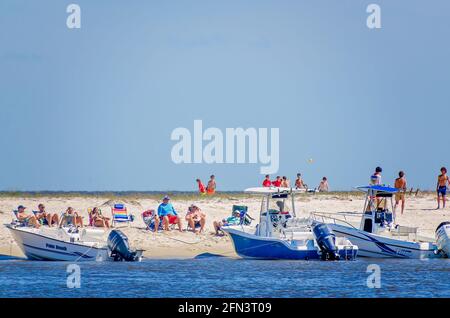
(72, 244)
(281, 235)
(379, 237)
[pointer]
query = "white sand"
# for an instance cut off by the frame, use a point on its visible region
(419, 213)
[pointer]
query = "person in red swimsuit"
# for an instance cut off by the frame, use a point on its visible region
(277, 182)
(267, 183)
(201, 186)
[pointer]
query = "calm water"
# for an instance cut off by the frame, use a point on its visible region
(225, 277)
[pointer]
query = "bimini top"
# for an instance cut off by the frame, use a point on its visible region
(378, 188)
(273, 190)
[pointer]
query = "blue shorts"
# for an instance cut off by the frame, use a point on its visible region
(442, 190)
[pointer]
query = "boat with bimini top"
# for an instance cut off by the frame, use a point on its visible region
(280, 234)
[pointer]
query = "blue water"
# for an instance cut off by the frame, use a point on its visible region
(226, 277)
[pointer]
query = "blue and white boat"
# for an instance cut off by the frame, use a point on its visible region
(281, 235)
(379, 237)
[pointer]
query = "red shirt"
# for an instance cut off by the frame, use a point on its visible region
(267, 183)
(277, 183)
(201, 187)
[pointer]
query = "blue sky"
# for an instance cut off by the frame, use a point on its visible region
(93, 108)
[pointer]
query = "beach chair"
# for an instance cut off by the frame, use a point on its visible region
(243, 210)
(16, 221)
(149, 220)
(120, 215)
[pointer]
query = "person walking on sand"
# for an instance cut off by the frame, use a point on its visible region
(323, 186)
(201, 187)
(375, 179)
(400, 185)
(441, 187)
(211, 187)
(267, 183)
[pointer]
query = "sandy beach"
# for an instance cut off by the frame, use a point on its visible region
(420, 212)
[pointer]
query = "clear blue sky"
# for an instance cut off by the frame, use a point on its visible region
(93, 108)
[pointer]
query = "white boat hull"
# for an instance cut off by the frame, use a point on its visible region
(377, 246)
(39, 247)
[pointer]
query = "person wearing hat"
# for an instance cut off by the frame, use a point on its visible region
(234, 219)
(167, 213)
(26, 218)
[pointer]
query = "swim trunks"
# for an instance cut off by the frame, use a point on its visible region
(442, 190)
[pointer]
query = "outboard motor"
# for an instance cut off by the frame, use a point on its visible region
(326, 240)
(443, 238)
(120, 248)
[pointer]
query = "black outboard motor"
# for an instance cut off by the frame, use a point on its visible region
(327, 241)
(120, 249)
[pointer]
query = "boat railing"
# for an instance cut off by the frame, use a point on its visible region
(328, 218)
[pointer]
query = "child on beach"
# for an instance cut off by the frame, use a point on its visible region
(201, 187)
(400, 184)
(267, 183)
(211, 187)
(441, 187)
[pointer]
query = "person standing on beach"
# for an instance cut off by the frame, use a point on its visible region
(323, 186)
(277, 182)
(211, 187)
(400, 185)
(299, 182)
(267, 183)
(441, 187)
(285, 182)
(201, 187)
(375, 179)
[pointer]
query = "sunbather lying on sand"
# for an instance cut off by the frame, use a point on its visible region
(195, 216)
(235, 219)
(27, 219)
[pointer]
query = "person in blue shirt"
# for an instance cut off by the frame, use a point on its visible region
(168, 215)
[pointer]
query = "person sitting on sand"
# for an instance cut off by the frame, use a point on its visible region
(235, 219)
(441, 187)
(70, 217)
(201, 187)
(400, 185)
(211, 187)
(277, 182)
(167, 213)
(267, 183)
(98, 220)
(196, 216)
(323, 186)
(25, 218)
(299, 182)
(42, 215)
